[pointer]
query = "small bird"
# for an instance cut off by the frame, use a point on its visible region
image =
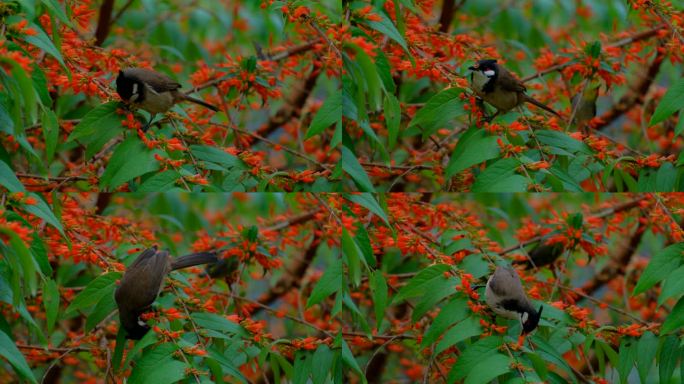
(142, 282)
(152, 91)
(504, 294)
(495, 85)
(585, 107)
(543, 254)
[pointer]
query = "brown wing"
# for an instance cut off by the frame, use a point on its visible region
(158, 81)
(143, 279)
(508, 82)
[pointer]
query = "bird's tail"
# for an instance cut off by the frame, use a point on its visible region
(194, 259)
(200, 102)
(531, 100)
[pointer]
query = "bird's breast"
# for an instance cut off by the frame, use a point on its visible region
(156, 102)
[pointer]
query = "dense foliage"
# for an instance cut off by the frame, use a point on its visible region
(268, 68)
(412, 123)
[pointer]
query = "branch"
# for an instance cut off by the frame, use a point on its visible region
(639, 36)
(292, 277)
(635, 94)
(617, 264)
(293, 106)
(601, 214)
(103, 23)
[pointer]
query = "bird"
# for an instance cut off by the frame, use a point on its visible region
(584, 105)
(142, 282)
(504, 294)
(542, 254)
(152, 91)
(494, 84)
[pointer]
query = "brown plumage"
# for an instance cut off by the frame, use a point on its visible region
(498, 87)
(142, 282)
(506, 297)
(152, 91)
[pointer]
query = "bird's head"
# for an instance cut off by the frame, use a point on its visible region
(530, 319)
(488, 67)
(128, 87)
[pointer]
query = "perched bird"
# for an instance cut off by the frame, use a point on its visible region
(142, 282)
(585, 106)
(505, 296)
(543, 254)
(495, 85)
(152, 91)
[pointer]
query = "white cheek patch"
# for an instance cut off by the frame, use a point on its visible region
(489, 73)
(141, 323)
(135, 94)
(524, 317)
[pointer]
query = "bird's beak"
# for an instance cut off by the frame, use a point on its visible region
(472, 68)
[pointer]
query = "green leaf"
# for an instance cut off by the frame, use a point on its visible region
(672, 101)
(675, 320)
(368, 201)
(56, 9)
(95, 290)
(352, 166)
(666, 178)
(350, 361)
(661, 265)
(28, 93)
(417, 285)
(9, 180)
(329, 114)
(226, 364)
(102, 309)
(160, 182)
(353, 254)
(218, 323)
(386, 27)
(472, 148)
(158, 366)
(216, 156)
(9, 351)
(21, 264)
(42, 41)
(626, 357)
(97, 122)
(453, 312)
(362, 240)
(669, 353)
(464, 330)
(378, 286)
(438, 111)
(42, 210)
(471, 356)
(321, 364)
(489, 368)
(561, 140)
(330, 282)
(647, 347)
(392, 111)
(51, 302)
(130, 159)
(673, 285)
(50, 128)
(501, 177)
(438, 289)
